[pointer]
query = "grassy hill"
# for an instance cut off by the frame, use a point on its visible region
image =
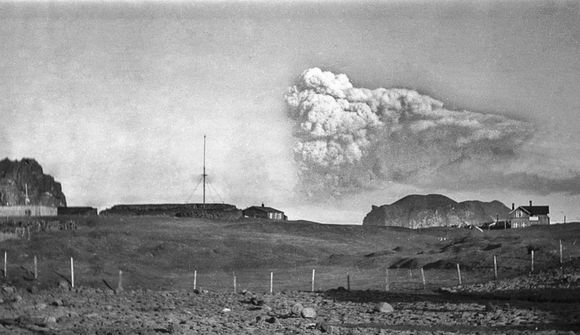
(162, 252)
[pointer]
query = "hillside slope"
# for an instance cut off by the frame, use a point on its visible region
(161, 252)
(434, 210)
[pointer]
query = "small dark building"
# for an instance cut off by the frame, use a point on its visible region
(77, 211)
(264, 212)
(525, 216)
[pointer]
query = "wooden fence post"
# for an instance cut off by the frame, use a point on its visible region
(120, 283)
(423, 277)
(271, 282)
(235, 284)
(35, 268)
(313, 276)
(458, 273)
(387, 279)
(532, 260)
(561, 256)
(5, 263)
(348, 281)
(194, 279)
(495, 267)
(72, 273)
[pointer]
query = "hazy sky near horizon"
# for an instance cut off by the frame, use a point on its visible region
(113, 98)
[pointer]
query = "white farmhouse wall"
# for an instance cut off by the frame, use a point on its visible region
(6, 211)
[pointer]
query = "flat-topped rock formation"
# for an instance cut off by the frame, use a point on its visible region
(434, 210)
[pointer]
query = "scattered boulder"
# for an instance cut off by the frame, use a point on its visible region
(310, 326)
(324, 327)
(40, 306)
(57, 302)
(308, 313)
(384, 307)
(49, 320)
(256, 302)
(297, 309)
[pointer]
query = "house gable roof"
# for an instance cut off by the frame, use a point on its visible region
(264, 209)
(534, 210)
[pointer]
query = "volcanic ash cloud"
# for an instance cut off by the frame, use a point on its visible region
(351, 138)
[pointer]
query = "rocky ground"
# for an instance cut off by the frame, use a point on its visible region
(96, 311)
(557, 284)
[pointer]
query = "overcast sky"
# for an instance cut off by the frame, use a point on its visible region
(113, 100)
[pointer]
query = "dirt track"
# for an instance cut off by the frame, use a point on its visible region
(96, 311)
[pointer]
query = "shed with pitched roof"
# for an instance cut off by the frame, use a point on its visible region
(264, 212)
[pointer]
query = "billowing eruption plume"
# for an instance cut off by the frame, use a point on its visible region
(352, 138)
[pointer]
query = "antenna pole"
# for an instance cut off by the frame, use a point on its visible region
(204, 174)
(26, 199)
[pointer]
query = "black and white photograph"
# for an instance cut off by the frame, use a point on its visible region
(290, 167)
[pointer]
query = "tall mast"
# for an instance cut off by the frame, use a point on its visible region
(204, 174)
(26, 199)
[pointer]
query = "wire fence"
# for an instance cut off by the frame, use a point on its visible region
(33, 268)
(22, 229)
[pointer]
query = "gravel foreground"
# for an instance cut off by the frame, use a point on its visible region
(338, 311)
(88, 311)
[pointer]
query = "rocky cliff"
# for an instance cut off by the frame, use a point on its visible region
(434, 210)
(16, 176)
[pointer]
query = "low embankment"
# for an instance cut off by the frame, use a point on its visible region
(209, 211)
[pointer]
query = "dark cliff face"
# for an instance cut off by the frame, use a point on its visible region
(16, 175)
(434, 210)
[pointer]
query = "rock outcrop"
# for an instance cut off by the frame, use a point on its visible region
(16, 176)
(435, 210)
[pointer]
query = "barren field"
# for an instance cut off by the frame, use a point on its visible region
(158, 256)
